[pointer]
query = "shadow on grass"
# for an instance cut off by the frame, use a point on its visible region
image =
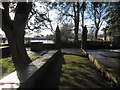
(79, 72)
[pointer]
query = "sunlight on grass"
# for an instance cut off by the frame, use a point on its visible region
(34, 57)
(79, 72)
(4, 46)
(71, 71)
(73, 58)
(7, 65)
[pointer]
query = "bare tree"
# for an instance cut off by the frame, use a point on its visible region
(66, 31)
(68, 11)
(39, 18)
(76, 8)
(96, 11)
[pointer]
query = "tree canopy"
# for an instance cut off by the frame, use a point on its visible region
(113, 18)
(96, 11)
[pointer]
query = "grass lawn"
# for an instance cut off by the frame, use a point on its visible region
(79, 72)
(7, 65)
(4, 46)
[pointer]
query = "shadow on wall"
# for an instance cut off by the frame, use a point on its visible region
(48, 76)
(51, 78)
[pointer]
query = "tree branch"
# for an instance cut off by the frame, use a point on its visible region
(6, 21)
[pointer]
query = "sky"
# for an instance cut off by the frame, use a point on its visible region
(53, 15)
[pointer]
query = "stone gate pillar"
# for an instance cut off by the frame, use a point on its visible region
(84, 38)
(58, 38)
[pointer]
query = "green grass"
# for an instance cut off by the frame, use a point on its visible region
(34, 57)
(4, 46)
(79, 72)
(7, 65)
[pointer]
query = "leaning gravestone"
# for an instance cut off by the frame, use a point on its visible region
(84, 38)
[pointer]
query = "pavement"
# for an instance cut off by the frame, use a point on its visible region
(108, 58)
(108, 61)
(10, 81)
(73, 51)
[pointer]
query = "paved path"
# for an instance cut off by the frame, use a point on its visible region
(108, 61)
(10, 81)
(106, 57)
(72, 51)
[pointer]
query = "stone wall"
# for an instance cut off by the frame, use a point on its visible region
(46, 75)
(89, 45)
(4, 51)
(98, 45)
(36, 46)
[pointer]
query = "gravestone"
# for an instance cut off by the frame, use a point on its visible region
(58, 38)
(116, 41)
(84, 38)
(36, 46)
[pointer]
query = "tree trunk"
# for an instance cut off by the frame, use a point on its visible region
(83, 10)
(76, 20)
(105, 35)
(76, 32)
(82, 14)
(96, 34)
(14, 31)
